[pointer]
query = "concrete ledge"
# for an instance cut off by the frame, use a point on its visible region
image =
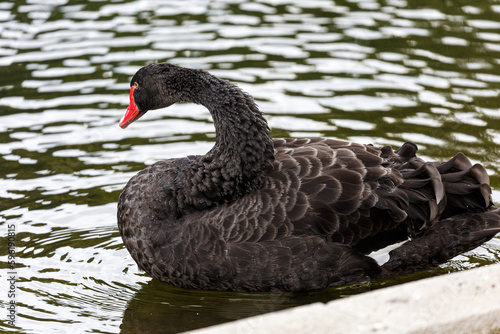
(464, 302)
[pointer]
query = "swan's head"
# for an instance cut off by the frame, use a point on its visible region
(158, 86)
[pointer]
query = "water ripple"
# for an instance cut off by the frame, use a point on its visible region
(370, 71)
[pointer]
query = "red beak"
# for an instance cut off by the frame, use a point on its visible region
(132, 114)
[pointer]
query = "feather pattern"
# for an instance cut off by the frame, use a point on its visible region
(257, 213)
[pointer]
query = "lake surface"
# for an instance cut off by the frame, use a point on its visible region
(371, 71)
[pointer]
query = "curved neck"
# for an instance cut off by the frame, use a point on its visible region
(243, 147)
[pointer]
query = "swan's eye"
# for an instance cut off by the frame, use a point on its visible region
(136, 85)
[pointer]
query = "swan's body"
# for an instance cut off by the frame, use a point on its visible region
(257, 213)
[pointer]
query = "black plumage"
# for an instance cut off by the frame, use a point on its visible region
(256, 213)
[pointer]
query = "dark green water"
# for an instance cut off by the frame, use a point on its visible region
(380, 72)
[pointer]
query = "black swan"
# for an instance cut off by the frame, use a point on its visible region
(257, 213)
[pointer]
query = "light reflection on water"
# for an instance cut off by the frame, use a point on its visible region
(380, 72)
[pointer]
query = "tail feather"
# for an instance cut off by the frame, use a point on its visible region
(466, 186)
(425, 192)
(458, 162)
(449, 211)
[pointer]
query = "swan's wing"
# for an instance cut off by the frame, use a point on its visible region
(349, 192)
(342, 191)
